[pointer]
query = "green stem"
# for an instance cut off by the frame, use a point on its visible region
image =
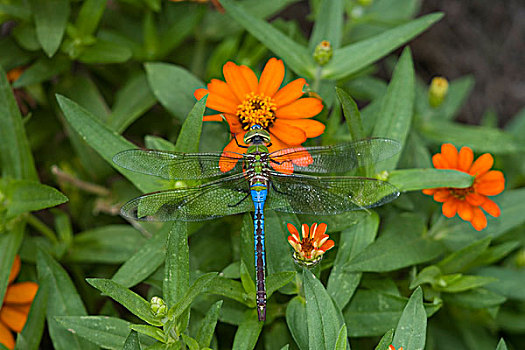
(197, 63)
(317, 79)
(41, 227)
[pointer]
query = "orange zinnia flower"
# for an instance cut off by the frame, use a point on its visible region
(468, 202)
(392, 347)
(17, 301)
(244, 101)
(314, 243)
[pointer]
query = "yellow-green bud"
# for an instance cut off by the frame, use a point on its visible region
(365, 2)
(323, 52)
(159, 307)
(520, 258)
(437, 91)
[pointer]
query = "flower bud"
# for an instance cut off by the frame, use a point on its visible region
(159, 307)
(323, 52)
(437, 91)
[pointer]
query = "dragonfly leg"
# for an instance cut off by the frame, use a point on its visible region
(239, 202)
(276, 190)
(237, 142)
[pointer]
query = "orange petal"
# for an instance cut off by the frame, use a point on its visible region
(222, 89)
(312, 128)
(450, 153)
(250, 78)
(216, 102)
(6, 337)
(491, 183)
(291, 228)
(327, 245)
(287, 133)
(289, 93)
(321, 228)
(305, 230)
(482, 165)
(303, 108)
(281, 166)
(271, 77)
(13, 317)
(479, 221)
(429, 191)
(475, 199)
(492, 208)
(450, 208)
(465, 211)
(227, 163)
(15, 269)
(439, 161)
(466, 156)
(441, 195)
(235, 80)
(21, 293)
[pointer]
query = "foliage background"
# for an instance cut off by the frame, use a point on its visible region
(130, 67)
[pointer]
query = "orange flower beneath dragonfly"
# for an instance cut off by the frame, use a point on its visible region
(243, 101)
(17, 302)
(468, 202)
(392, 347)
(314, 243)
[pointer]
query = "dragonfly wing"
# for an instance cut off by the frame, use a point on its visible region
(302, 194)
(175, 165)
(334, 159)
(226, 196)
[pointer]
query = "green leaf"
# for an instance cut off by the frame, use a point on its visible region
(173, 86)
(16, 159)
(278, 280)
(89, 16)
(247, 282)
(295, 318)
(479, 138)
(479, 298)
(510, 282)
(200, 285)
(231, 289)
(154, 142)
(248, 332)
(176, 268)
(63, 301)
(501, 345)
(190, 134)
(458, 260)
(372, 313)
(352, 58)
(42, 70)
(321, 315)
(10, 242)
(112, 244)
(419, 179)
(150, 331)
(385, 341)
(342, 340)
(208, 323)
(145, 261)
(341, 283)
(132, 342)
(352, 115)
(130, 300)
(191, 343)
(412, 326)
(328, 24)
(29, 338)
(278, 255)
(131, 101)
(405, 234)
(23, 196)
(50, 20)
(295, 55)
(106, 142)
(105, 52)
(107, 332)
(397, 106)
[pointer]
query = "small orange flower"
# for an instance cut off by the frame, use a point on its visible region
(392, 347)
(17, 302)
(468, 202)
(310, 249)
(243, 101)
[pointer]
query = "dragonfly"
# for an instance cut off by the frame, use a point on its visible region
(286, 180)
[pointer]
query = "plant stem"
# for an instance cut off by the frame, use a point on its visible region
(41, 227)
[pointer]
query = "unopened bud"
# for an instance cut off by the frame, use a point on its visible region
(323, 52)
(437, 91)
(159, 307)
(365, 3)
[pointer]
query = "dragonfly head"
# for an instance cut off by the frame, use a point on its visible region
(257, 135)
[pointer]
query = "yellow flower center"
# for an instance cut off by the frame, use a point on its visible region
(256, 109)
